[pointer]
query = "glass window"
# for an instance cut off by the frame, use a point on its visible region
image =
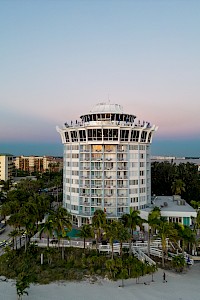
(67, 137)
(135, 135)
(143, 136)
(149, 138)
(74, 136)
(124, 135)
(82, 135)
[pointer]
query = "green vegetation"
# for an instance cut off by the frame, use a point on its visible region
(77, 265)
(182, 179)
(30, 211)
(178, 263)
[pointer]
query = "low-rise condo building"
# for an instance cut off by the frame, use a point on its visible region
(173, 208)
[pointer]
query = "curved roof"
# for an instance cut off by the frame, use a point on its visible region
(107, 108)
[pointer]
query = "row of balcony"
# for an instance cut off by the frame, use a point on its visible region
(115, 159)
(105, 168)
(113, 187)
(112, 214)
(104, 150)
(105, 177)
(105, 195)
(106, 204)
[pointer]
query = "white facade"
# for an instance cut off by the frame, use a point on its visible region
(106, 163)
(6, 166)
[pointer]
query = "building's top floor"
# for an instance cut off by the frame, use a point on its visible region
(107, 114)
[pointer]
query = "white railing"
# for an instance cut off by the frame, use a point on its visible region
(142, 256)
(62, 243)
(139, 249)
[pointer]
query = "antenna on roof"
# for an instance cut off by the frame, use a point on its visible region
(108, 98)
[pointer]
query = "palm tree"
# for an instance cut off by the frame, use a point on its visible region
(178, 186)
(22, 284)
(98, 222)
(14, 234)
(85, 233)
(153, 269)
(110, 265)
(49, 252)
(178, 262)
(48, 228)
(6, 185)
(6, 210)
(123, 275)
(153, 221)
(62, 224)
(39, 204)
(123, 235)
(185, 234)
(166, 230)
(58, 183)
(131, 221)
(111, 233)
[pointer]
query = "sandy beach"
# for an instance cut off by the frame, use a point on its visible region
(185, 286)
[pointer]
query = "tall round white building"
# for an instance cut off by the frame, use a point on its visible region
(106, 163)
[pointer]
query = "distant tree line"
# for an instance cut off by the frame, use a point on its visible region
(183, 179)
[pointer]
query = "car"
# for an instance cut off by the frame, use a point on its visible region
(2, 243)
(9, 242)
(2, 227)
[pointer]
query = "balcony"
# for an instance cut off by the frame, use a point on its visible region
(111, 214)
(96, 205)
(108, 195)
(122, 204)
(108, 177)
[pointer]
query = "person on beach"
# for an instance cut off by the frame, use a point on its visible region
(164, 277)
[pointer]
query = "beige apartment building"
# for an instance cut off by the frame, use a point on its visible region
(6, 166)
(38, 163)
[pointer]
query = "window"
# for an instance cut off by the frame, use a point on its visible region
(135, 135)
(143, 136)
(149, 137)
(94, 134)
(82, 135)
(124, 135)
(67, 137)
(74, 136)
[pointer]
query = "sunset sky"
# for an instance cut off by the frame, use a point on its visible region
(60, 58)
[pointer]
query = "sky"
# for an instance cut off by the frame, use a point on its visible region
(59, 58)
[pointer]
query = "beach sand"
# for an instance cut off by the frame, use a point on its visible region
(184, 286)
